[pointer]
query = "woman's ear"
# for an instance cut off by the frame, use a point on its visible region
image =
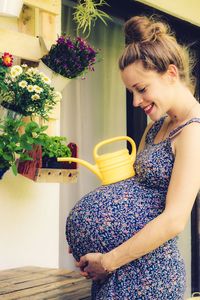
(172, 72)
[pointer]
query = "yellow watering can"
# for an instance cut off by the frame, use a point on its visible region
(110, 167)
(194, 296)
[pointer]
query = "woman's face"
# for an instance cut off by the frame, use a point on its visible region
(152, 91)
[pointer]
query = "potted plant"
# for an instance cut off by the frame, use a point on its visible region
(44, 166)
(52, 148)
(68, 58)
(86, 14)
(28, 92)
(14, 145)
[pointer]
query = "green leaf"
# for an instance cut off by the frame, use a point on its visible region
(14, 169)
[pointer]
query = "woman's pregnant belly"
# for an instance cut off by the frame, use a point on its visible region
(109, 215)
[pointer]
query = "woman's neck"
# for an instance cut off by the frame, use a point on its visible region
(185, 107)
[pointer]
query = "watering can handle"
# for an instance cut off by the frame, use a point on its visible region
(115, 139)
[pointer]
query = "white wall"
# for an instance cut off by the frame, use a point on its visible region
(29, 222)
(29, 213)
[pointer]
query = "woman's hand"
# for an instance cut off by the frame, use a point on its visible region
(91, 266)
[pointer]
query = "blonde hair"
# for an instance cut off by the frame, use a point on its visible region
(151, 41)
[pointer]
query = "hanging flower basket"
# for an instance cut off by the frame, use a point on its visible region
(58, 81)
(11, 8)
(8, 113)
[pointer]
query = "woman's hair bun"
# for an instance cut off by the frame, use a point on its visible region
(142, 29)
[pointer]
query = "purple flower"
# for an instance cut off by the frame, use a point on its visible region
(70, 57)
(61, 40)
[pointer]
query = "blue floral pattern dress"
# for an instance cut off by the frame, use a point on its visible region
(111, 214)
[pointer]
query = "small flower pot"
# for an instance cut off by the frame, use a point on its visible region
(11, 8)
(58, 81)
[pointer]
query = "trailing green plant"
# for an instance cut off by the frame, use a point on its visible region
(14, 145)
(55, 146)
(86, 14)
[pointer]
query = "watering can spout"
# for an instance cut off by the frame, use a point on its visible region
(92, 168)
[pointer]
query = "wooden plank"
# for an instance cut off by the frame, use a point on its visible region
(56, 175)
(52, 6)
(18, 278)
(74, 290)
(18, 272)
(26, 21)
(20, 44)
(48, 26)
(27, 291)
(26, 284)
(43, 283)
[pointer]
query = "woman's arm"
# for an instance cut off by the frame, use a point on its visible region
(183, 188)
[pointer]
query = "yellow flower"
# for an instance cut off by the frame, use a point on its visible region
(32, 71)
(58, 96)
(23, 84)
(30, 88)
(16, 71)
(38, 89)
(45, 78)
(35, 97)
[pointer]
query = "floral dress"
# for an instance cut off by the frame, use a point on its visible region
(111, 214)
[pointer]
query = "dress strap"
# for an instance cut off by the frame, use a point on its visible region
(177, 130)
(152, 132)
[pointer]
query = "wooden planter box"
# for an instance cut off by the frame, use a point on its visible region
(39, 171)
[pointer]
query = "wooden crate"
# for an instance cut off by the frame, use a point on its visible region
(35, 283)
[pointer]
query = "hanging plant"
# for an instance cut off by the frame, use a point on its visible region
(26, 91)
(71, 57)
(86, 14)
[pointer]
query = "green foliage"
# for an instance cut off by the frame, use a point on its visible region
(28, 92)
(14, 145)
(55, 146)
(87, 12)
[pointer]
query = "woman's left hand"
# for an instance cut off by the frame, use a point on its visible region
(91, 266)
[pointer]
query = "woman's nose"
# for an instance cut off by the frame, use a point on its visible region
(137, 100)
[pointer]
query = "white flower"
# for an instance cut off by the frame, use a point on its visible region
(23, 84)
(58, 96)
(15, 71)
(32, 71)
(35, 97)
(46, 79)
(30, 88)
(38, 89)
(24, 66)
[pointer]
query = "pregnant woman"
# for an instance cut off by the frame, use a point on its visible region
(124, 235)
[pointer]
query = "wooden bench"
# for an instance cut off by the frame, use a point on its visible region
(37, 283)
